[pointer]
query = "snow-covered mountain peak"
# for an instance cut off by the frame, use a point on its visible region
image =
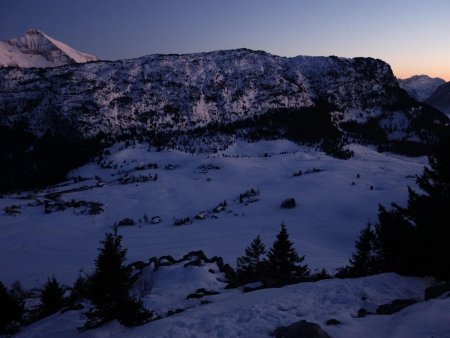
(36, 49)
(420, 86)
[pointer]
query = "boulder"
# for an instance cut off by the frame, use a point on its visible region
(125, 222)
(395, 306)
(288, 203)
(363, 313)
(195, 295)
(332, 321)
(301, 329)
(207, 292)
(437, 291)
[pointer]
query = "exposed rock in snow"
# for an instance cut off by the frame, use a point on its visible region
(420, 87)
(37, 49)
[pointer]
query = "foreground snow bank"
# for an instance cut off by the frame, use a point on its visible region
(259, 313)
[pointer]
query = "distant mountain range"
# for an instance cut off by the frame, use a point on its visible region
(420, 87)
(433, 91)
(37, 49)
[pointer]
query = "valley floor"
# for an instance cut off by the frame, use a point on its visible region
(333, 204)
(335, 199)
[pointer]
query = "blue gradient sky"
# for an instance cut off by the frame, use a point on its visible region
(413, 36)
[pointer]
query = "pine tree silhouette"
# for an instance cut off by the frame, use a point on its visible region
(283, 260)
(249, 266)
(362, 261)
(52, 296)
(110, 287)
(10, 311)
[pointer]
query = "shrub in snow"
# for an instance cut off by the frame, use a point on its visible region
(155, 220)
(220, 207)
(181, 221)
(12, 210)
(249, 196)
(288, 203)
(201, 215)
(323, 274)
(110, 287)
(297, 173)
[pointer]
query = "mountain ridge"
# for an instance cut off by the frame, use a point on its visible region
(190, 89)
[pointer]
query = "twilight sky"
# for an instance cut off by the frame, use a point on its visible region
(412, 36)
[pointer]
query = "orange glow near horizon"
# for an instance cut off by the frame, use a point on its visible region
(403, 74)
(431, 65)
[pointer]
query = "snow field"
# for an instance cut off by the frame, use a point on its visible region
(329, 215)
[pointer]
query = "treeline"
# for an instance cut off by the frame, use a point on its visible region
(313, 126)
(427, 123)
(411, 240)
(278, 266)
(30, 162)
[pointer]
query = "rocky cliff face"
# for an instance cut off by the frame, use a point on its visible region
(36, 49)
(183, 92)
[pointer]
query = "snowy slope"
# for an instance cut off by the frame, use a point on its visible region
(335, 199)
(420, 87)
(259, 313)
(36, 49)
(330, 213)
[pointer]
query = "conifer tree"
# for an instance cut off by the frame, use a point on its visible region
(395, 242)
(414, 240)
(249, 266)
(10, 311)
(110, 287)
(283, 260)
(52, 296)
(362, 261)
(429, 212)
